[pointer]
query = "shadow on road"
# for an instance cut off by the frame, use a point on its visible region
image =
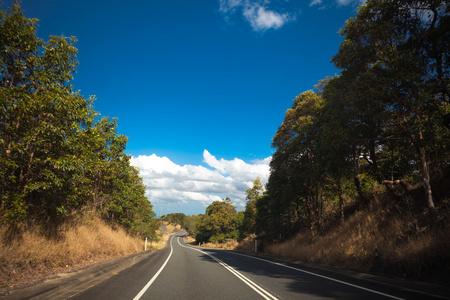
(290, 283)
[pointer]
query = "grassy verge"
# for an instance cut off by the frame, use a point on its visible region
(389, 238)
(230, 245)
(34, 256)
(385, 239)
(248, 244)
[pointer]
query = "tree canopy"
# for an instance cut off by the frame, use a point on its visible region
(382, 121)
(56, 155)
(220, 223)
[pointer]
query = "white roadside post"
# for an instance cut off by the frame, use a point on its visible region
(145, 248)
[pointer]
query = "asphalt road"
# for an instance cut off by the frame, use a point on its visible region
(181, 271)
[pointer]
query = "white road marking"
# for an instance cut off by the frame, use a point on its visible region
(145, 288)
(266, 295)
(251, 284)
(318, 275)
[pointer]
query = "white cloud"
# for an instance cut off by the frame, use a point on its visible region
(256, 13)
(261, 16)
(315, 2)
(262, 19)
(348, 2)
(239, 170)
(169, 184)
(229, 5)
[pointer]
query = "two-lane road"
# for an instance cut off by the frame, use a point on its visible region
(181, 271)
(176, 272)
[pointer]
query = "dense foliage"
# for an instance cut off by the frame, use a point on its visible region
(189, 223)
(382, 122)
(220, 223)
(57, 156)
(253, 195)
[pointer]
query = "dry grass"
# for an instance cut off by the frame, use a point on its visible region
(247, 244)
(375, 240)
(229, 245)
(190, 240)
(162, 238)
(159, 242)
(352, 244)
(171, 228)
(388, 238)
(86, 241)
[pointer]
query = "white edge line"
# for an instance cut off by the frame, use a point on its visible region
(247, 281)
(145, 288)
(251, 284)
(318, 275)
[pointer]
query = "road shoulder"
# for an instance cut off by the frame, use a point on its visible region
(69, 284)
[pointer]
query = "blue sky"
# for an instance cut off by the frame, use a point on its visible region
(199, 87)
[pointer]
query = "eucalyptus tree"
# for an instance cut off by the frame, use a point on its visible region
(395, 57)
(253, 195)
(295, 182)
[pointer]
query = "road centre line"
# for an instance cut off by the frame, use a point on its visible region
(263, 293)
(318, 275)
(145, 288)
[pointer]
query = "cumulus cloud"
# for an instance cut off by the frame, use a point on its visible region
(237, 169)
(170, 184)
(256, 12)
(262, 19)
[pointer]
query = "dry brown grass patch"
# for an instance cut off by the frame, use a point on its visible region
(159, 242)
(85, 241)
(374, 240)
(247, 244)
(229, 245)
(190, 240)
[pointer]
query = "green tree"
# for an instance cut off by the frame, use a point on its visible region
(177, 218)
(40, 119)
(54, 157)
(400, 49)
(191, 223)
(220, 223)
(295, 182)
(382, 116)
(253, 194)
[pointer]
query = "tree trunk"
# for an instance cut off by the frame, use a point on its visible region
(425, 170)
(341, 201)
(321, 223)
(376, 170)
(308, 206)
(374, 163)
